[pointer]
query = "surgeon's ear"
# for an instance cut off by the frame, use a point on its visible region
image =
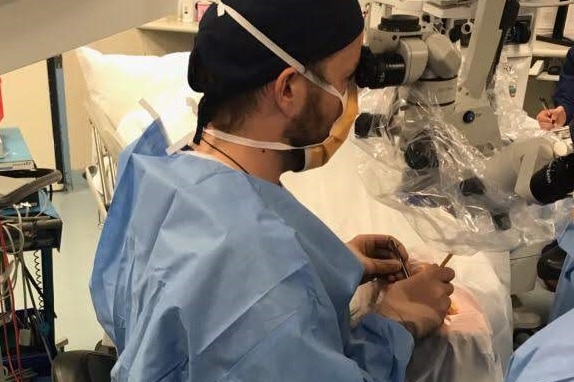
(290, 92)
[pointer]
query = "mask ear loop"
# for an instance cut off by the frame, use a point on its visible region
(155, 116)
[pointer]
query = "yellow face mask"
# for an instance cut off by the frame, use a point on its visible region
(317, 154)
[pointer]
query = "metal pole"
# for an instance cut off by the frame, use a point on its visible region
(59, 121)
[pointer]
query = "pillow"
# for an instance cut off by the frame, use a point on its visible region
(172, 105)
(117, 82)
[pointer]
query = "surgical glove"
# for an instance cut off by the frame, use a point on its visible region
(421, 302)
(379, 255)
(552, 118)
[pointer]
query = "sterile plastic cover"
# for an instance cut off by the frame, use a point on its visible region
(451, 204)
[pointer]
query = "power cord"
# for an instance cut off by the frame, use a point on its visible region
(2, 310)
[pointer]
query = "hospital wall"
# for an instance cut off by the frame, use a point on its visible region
(538, 88)
(546, 21)
(132, 42)
(27, 105)
(27, 102)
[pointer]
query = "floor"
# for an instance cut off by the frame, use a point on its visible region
(73, 266)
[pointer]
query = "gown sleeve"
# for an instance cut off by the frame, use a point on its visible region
(564, 93)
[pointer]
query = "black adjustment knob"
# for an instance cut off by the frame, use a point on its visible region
(472, 186)
(400, 23)
(364, 122)
(551, 262)
(469, 117)
(501, 221)
(522, 32)
(455, 33)
(421, 154)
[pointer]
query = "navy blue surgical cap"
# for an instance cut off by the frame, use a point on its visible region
(227, 61)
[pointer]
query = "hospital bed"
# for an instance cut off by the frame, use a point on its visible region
(334, 192)
(116, 116)
(107, 146)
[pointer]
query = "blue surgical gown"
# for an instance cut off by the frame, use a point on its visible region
(546, 357)
(204, 273)
(564, 93)
(549, 355)
(564, 297)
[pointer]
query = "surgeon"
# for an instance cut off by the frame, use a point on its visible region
(207, 268)
(547, 356)
(563, 113)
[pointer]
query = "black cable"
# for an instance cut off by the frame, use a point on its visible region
(40, 319)
(32, 300)
(30, 278)
(38, 277)
(24, 292)
(227, 156)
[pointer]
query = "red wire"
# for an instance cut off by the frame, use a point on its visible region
(5, 262)
(6, 343)
(15, 324)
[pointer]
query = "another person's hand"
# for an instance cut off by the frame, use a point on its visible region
(421, 302)
(379, 256)
(552, 118)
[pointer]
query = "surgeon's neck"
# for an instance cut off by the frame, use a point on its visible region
(262, 163)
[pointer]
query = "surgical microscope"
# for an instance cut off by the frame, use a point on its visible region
(405, 50)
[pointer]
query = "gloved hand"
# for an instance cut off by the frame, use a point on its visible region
(379, 256)
(421, 302)
(552, 118)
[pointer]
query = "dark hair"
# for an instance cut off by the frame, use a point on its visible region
(232, 113)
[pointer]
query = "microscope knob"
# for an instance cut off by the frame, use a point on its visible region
(420, 154)
(364, 123)
(469, 117)
(521, 32)
(400, 23)
(455, 33)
